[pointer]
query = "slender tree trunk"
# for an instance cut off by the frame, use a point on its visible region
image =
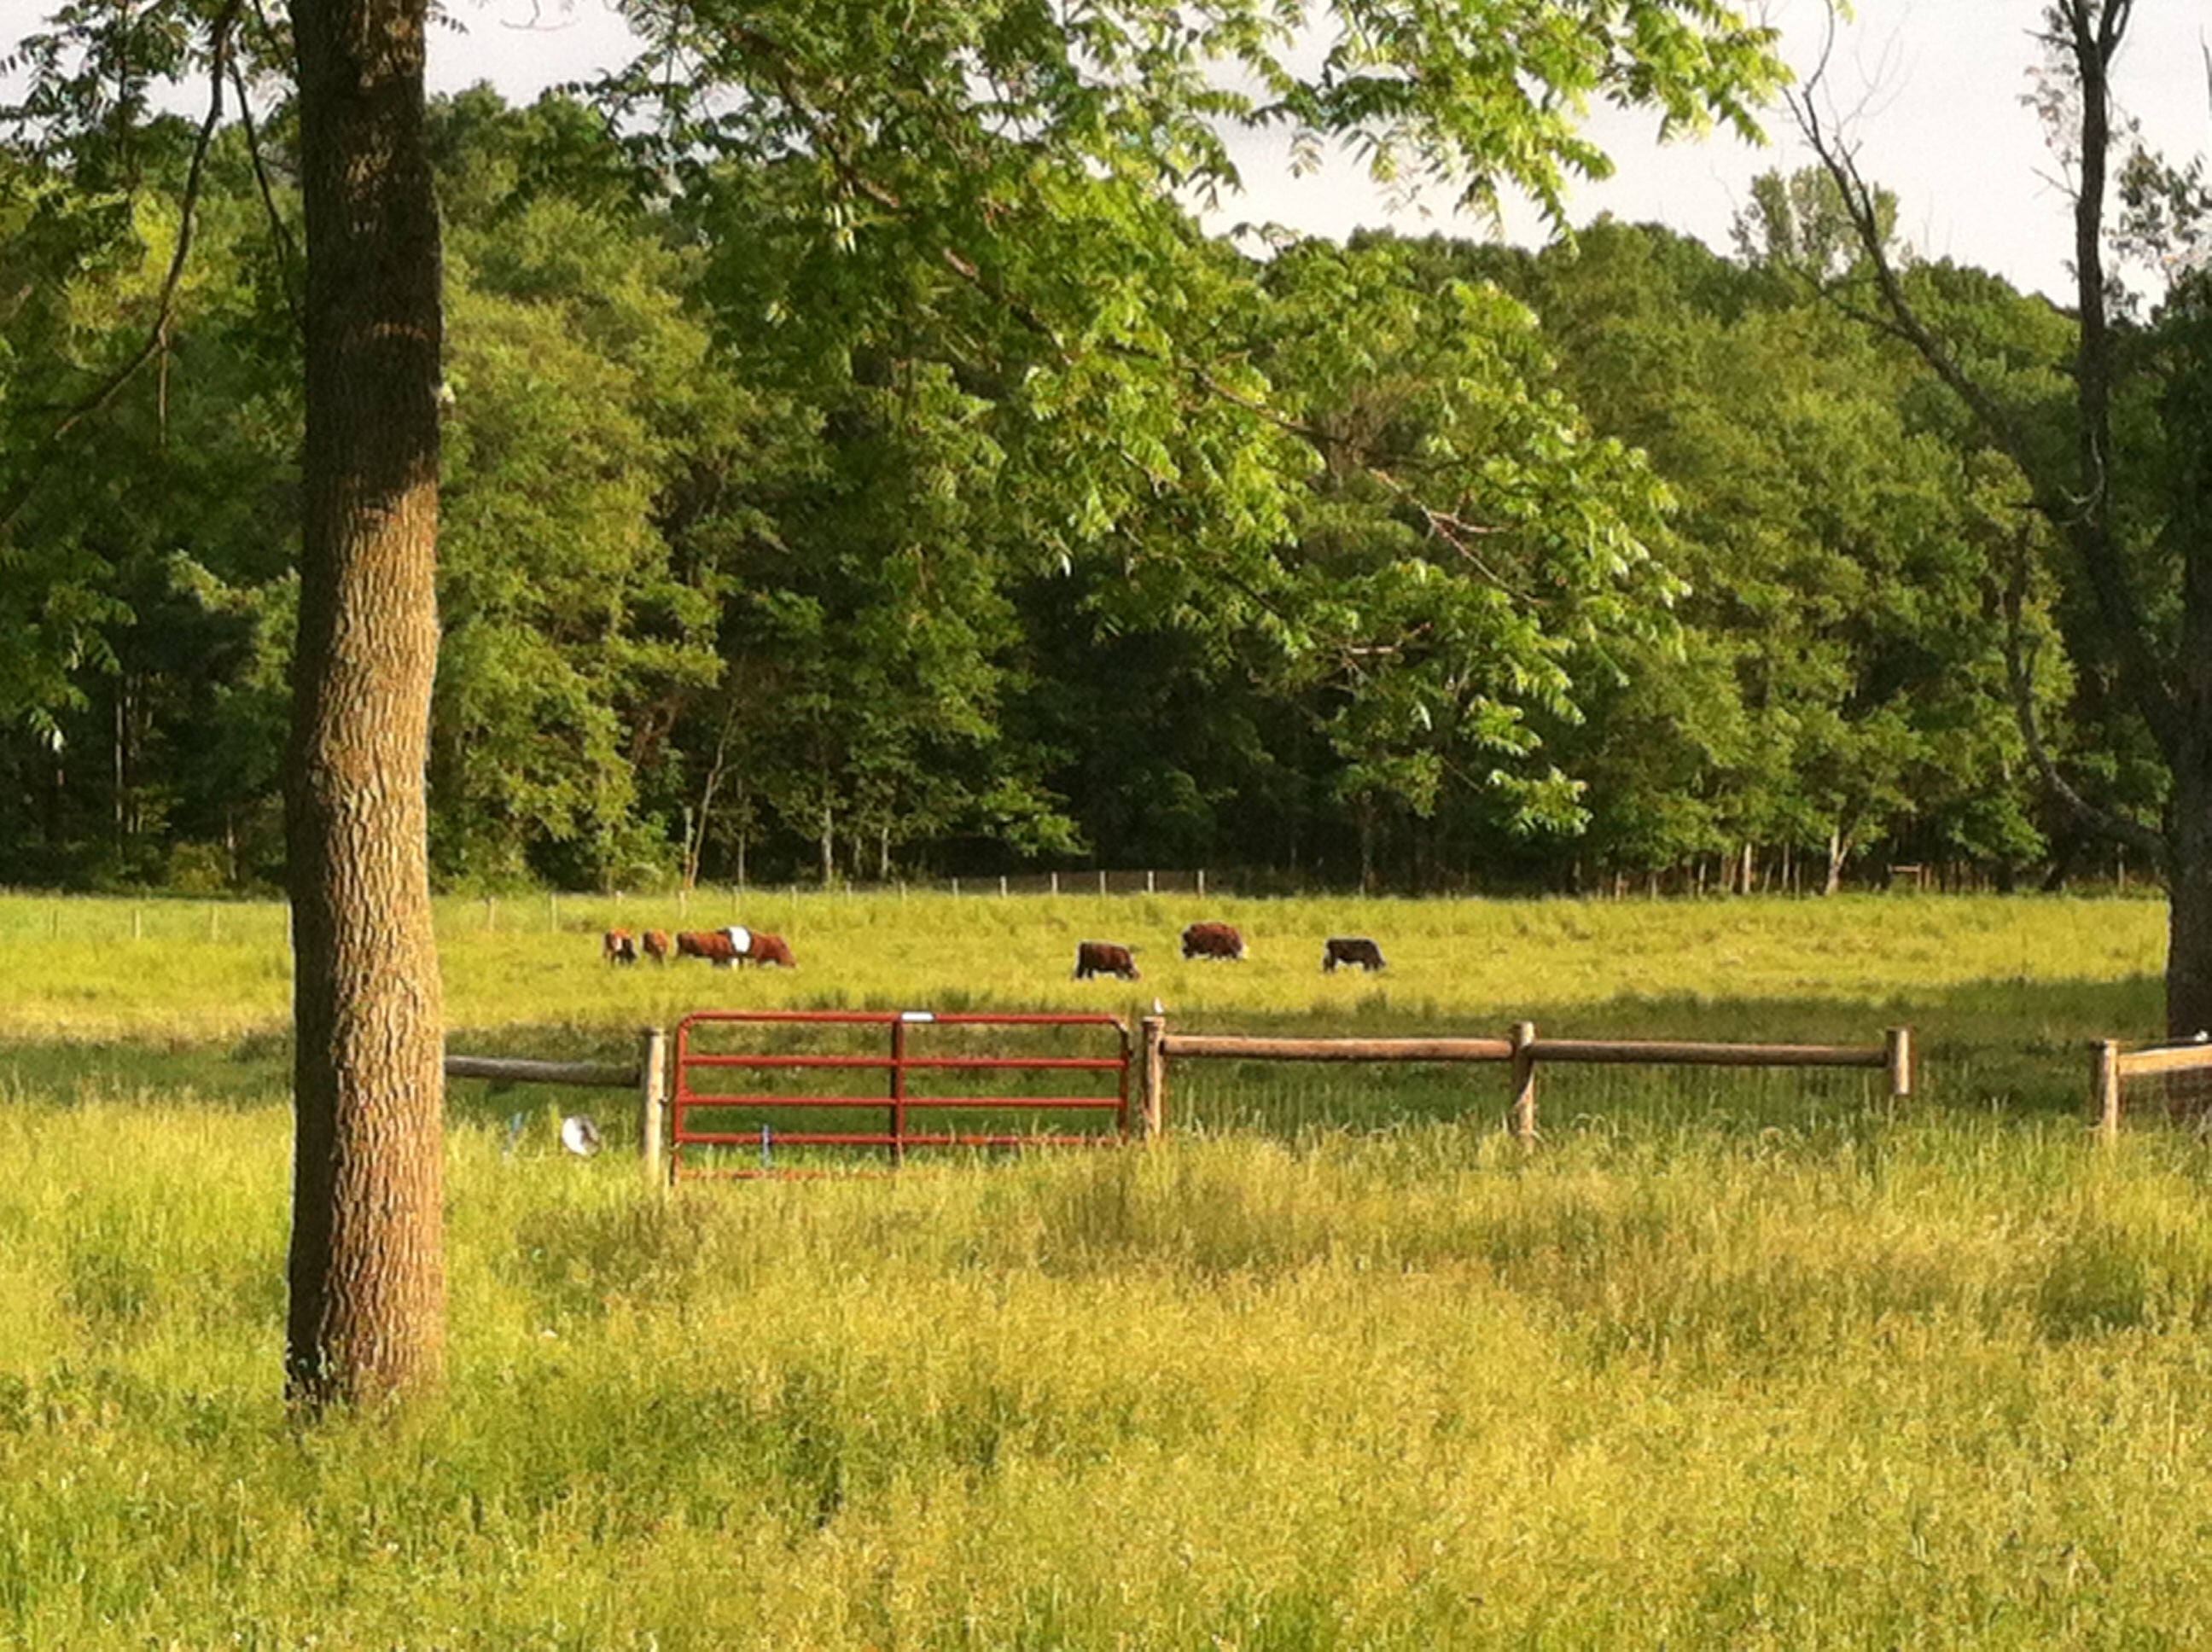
(695, 843)
(367, 1272)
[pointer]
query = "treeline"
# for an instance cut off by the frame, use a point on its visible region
(889, 537)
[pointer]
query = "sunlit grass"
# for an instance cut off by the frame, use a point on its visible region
(1727, 1359)
(1900, 1383)
(92, 967)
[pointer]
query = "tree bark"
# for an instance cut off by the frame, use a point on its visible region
(2188, 892)
(367, 1277)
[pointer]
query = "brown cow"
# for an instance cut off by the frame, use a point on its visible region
(1210, 940)
(654, 942)
(1103, 958)
(618, 946)
(733, 946)
(713, 945)
(1349, 949)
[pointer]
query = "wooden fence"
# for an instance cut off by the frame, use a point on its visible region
(647, 1077)
(2111, 1067)
(1521, 1052)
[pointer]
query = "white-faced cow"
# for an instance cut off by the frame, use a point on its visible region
(1103, 958)
(1348, 949)
(1212, 940)
(618, 946)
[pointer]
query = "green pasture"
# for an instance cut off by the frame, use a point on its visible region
(1749, 1360)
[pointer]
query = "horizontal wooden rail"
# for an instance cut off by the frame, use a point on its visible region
(1338, 1050)
(505, 1070)
(1631, 1052)
(2167, 1058)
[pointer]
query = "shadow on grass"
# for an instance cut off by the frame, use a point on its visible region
(2005, 1047)
(1997, 1047)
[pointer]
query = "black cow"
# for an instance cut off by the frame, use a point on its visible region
(1103, 958)
(1350, 949)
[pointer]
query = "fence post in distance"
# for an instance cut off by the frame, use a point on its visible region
(1899, 1040)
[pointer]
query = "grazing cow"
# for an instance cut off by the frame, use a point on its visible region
(768, 948)
(713, 945)
(733, 946)
(1213, 941)
(654, 942)
(1103, 958)
(1350, 949)
(618, 946)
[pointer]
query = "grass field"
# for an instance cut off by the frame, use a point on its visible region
(1726, 1360)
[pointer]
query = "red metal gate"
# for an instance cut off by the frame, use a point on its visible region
(697, 1066)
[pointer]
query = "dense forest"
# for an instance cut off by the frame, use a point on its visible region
(775, 549)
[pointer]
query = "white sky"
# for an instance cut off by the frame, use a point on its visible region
(1933, 87)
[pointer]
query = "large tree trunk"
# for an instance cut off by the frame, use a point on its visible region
(367, 1270)
(2188, 858)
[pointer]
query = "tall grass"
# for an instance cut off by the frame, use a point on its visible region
(1728, 1360)
(1909, 1383)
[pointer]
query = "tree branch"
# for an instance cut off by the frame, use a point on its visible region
(2084, 519)
(158, 332)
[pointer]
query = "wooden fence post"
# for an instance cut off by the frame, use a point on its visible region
(1900, 1040)
(652, 1099)
(1152, 1078)
(1523, 1112)
(2104, 1088)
